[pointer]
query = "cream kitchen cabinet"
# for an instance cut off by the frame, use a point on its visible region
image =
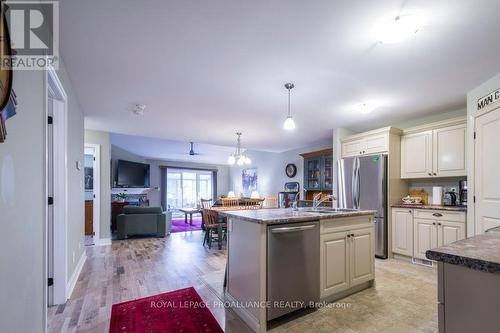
(368, 143)
(416, 155)
(435, 151)
(436, 228)
(402, 231)
(347, 259)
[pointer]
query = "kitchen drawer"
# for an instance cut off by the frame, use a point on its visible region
(439, 215)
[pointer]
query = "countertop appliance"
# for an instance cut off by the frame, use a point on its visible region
(450, 199)
(292, 266)
(362, 184)
(462, 192)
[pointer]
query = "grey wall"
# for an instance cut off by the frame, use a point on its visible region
(271, 175)
(75, 148)
(23, 202)
(103, 139)
(22, 210)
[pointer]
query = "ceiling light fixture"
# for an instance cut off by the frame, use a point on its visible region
(395, 29)
(239, 157)
(366, 108)
(289, 124)
(139, 109)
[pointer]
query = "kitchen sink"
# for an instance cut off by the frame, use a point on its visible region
(328, 210)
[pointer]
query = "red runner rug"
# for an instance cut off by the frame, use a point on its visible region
(177, 311)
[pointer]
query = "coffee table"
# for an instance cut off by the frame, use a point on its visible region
(190, 212)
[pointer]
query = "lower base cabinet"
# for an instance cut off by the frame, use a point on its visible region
(414, 231)
(347, 259)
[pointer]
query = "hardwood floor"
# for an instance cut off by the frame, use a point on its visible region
(403, 300)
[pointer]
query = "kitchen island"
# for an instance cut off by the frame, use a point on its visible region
(469, 283)
(281, 260)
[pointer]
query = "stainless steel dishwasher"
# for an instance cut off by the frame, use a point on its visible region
(292, 267)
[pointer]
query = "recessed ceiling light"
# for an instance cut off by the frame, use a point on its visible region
(397, 28)
(366, 108)
(139, 109)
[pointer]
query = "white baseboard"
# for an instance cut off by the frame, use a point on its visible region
(74, 277)
(103, 241)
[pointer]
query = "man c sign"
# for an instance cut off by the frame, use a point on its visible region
(34, 33)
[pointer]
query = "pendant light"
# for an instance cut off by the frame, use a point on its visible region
(289, 124)
(239, 157)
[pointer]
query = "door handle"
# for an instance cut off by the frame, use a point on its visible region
(292, 229)
(437, 215)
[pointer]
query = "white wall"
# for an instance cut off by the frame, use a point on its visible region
(103, 139)
(271, 176)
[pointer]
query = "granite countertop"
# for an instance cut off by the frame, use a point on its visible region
(288, 215)
(481, 252)
(432, 207)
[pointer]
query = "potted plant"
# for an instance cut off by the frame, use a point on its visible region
(121, 197)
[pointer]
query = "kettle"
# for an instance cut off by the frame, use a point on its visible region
(450, 199)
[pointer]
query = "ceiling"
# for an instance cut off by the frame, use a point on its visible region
(208, 68)
(171, 150)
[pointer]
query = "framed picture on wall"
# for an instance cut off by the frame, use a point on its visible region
(249, 180)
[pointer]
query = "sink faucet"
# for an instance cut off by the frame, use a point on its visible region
(317, 200)
(295, 203)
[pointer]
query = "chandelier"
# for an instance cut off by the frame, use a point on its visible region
(239, 157)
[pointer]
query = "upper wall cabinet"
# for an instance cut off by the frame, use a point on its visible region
(436, 150)
(373, 142)
(318, 170)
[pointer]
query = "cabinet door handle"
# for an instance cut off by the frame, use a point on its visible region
(409, 211)
(435, 174)
(439, 223)
(430, 174)
(433, 223)
(352, 235)
(363, 151)
(348, 236)
(437, 215)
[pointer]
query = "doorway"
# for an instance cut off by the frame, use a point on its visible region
(186, 187)
(56, 190)
(92, 194)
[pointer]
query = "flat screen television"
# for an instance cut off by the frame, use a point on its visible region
(132, 174)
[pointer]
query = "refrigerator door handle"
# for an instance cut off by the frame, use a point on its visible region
(356, 184)
(353, 183)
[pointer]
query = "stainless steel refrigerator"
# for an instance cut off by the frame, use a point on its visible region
(362, 184)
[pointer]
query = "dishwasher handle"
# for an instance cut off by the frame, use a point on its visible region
(292, 229)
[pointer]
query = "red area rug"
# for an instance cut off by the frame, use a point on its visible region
(178, 224)
(177, 311)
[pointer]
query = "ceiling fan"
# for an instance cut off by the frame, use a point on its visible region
(191, 151)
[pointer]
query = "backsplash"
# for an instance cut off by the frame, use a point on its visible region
(448, 184)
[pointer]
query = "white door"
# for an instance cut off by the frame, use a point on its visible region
(487, 171)
(334, 265)
(449, 232)
(402, 231)
(416, 155)
(449, 146)
(352, 148)
(362, 252)
(425, 237)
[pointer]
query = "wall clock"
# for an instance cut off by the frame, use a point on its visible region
(291, 170)
(5, 74)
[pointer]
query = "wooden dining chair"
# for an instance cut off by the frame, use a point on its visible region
(212, 227)
(206, 203)
(230, 202)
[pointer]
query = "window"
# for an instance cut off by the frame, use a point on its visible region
(185, 188)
